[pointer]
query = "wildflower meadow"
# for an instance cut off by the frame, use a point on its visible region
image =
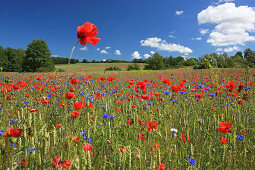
(156, 120)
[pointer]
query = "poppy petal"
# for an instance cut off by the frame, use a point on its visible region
(92, 40)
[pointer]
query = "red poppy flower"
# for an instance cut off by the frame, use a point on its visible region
(152, 125)
(70, 95)
(60, 163)
(223, 141)
(176, 88)
(58, 125)
(75, 114)
(74, 80)
(88, 148)
(130, 122)
(13, 132)
(166, 81)
(86, 33)
(79, 105)
(161, 166)
(225, 127)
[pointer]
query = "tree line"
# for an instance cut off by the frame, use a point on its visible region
(36, 58)
(213, 60)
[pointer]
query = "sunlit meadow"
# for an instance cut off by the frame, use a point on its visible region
(148, 120)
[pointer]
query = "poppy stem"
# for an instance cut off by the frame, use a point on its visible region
(72, 52)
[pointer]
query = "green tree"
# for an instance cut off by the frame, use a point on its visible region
(85, 61)
(155, 62)
(38, 57)
(250, 56)
(3, 59)
(191, 62)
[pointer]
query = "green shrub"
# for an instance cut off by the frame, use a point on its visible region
(114, 68)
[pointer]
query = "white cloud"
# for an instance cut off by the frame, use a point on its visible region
(231, 49)
(171, 36)
(98, 49)
(136, 55)
(204, 31)
(55, 55)
(146, 55)
(220, 1)
(152, 52)
(84, 48)
(186, 54)
(107, 47)
(219, 49)
(162, 45)
(233, 24)
(104, 52)
(104, 60)
(179, 12)
(198, 38)
(117, 52)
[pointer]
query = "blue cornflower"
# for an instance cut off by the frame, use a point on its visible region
(1, 132)
(246, 89)
(149, 103)
(90, 139)
(182, 92)
(167, 92)
(174, 100)
(240, 137)
(145, 108)
(26, 102)
(197, 99)
(192, 161)
(83, 133)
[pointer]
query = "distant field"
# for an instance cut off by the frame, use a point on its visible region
(93, 67)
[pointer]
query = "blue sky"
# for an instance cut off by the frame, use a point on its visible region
(136, 28)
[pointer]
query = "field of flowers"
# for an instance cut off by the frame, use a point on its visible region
(159, 120)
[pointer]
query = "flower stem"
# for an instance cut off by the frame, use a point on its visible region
(72, 52)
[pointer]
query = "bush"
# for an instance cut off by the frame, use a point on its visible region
(134, 66)
(114, 68)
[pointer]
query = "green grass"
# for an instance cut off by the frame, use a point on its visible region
(93, 67)
(190, 117)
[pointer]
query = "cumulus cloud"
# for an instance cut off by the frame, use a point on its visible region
(107, 47)
(223, 1)
(233, 24)
(136, 55)
(198, 38)
(117, 52)
(55, 55)
(152, 52)
(231, 49)
(179, 12)
(98, 49)
(204, 31)
(146, 55)
(84, 48)
(104, 52)
(162, 45)
(219, 49)
(171, 36)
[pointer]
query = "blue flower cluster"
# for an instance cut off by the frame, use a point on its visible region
(240, 137)
(30, 150)
(192, 161)
(108, 116)
(84, 134)
(13, 121)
